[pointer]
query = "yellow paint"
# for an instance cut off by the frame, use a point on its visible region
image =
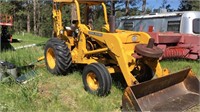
(40, 58)
(51, 58)
(92, 81)
(120, 45)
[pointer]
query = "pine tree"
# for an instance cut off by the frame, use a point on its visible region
(189, 5)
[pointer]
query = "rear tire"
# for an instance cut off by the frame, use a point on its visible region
(96, 79)
(57, 56)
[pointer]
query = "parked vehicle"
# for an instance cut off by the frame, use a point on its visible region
(112, 51)
(187, 22)
(177, 33)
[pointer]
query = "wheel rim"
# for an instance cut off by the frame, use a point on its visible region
(51, 60)
(92, 81)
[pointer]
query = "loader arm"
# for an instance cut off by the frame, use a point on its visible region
(122, 56)
(115, 46)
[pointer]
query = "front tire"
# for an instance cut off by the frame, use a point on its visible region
(96, 79)
(57, 56)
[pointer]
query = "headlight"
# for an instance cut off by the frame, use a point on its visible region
(61, 31)
(77, 30)
(134, 38)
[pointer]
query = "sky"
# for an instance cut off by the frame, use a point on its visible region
(155, 4)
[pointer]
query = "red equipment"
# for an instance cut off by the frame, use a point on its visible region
(6, 21)
(177, 45)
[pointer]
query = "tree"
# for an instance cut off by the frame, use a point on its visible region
(127, 7)
(17, 10)
(189, 5)
(28, 21)
(38, 18)
(46, 20)
(144, 2)
(164, 3)
(34, 17)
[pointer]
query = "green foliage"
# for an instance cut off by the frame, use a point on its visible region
(189, 5)
(6, 8)
(46, 22)
(66, 17)
(20, 9)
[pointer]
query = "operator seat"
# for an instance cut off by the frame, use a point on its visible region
(73, 29)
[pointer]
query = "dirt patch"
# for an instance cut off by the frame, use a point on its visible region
(48, 91)
(45, 89)
(66, 99)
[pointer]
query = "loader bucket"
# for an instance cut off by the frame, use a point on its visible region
(175, 92)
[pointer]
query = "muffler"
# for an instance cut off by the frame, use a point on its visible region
(175, 92)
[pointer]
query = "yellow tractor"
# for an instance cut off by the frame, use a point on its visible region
(109, 51)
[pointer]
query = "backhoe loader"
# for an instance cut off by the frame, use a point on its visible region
(109, 51)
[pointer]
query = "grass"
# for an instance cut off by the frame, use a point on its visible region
(178, 64)
(60, 93)
(27, 39)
